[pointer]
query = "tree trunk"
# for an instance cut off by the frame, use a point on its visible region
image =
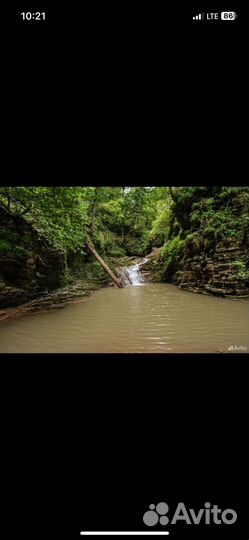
(103, 264)
(94, 208)
(172, 194)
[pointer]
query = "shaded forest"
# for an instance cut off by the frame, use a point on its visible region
(196, 237)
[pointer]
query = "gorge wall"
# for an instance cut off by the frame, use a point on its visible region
(208, 248)
(28, 264)
(212, 270)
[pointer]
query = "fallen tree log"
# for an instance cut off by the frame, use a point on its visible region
(92, 249)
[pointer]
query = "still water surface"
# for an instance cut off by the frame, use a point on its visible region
(148, 318)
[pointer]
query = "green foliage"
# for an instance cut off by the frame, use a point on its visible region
(8, 244)
(161, 225)
(67, 276)
(243, 221)
(209, 231)
(64, 215)
(125, 220)
(112, 212)
(137, 246)
(228, 193)
(116, 251)
(215, 219)
(58, 214)
(7, 235)
(21, 251)
(5, 247)
(243, 272)
(171, 252)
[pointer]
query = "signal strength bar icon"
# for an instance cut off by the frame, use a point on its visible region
(198, 17)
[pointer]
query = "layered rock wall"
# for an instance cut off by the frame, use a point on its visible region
(26, 271)
(212, 271)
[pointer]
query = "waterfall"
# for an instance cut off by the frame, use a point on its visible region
(131, 275)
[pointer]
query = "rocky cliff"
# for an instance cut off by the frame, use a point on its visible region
(214, 270)
(208, 247)
(28, 264)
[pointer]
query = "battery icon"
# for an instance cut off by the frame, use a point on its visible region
(228, 15)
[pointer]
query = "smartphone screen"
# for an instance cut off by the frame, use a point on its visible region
(124, 271)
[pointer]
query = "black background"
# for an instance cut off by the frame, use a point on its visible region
(141, 96)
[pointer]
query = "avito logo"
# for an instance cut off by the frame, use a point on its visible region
(207, 515)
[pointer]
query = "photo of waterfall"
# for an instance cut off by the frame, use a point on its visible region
(148, 269)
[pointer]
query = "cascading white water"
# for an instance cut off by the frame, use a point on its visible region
(131, 275)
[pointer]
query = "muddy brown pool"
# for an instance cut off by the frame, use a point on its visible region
(147, 318)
